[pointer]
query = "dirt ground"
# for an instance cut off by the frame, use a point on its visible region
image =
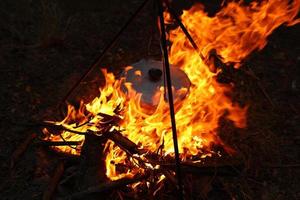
(45, 46)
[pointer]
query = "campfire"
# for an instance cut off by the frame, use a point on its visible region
(129, 123)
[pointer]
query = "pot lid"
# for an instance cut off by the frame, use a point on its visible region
(147, 78)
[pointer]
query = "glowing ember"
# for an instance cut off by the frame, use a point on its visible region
(234, 32)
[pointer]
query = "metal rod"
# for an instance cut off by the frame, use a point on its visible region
(106, 49)
(164, 49)
(183, 28)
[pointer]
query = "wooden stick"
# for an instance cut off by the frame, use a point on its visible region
(49, 192)
(124, 143)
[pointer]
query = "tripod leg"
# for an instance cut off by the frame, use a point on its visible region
(164, 49)
(103, 53)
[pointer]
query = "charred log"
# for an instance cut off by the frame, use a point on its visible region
(91, 162)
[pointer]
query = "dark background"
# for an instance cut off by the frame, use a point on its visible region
(45, 46)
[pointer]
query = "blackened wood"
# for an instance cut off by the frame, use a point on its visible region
(92, 168)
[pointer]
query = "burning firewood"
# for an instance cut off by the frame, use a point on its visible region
(187, 167)
(123, 142)
(133, 129)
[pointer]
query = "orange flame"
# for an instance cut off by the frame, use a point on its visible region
(234, 32)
